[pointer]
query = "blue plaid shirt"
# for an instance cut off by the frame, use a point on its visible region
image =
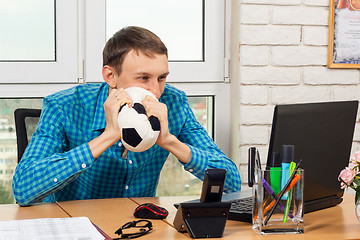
(58, 165)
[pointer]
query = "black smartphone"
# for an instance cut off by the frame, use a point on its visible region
(213, 185)
(251, 166)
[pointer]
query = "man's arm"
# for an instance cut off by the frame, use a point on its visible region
(193, 147)
(206, 154)
(166, 140)
(48, 164)
(111, 134)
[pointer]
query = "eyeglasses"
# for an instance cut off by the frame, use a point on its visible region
(142, 224)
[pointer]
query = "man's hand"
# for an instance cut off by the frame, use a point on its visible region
(159, 110)
(166, 140)
(111, 134)
(112, 105)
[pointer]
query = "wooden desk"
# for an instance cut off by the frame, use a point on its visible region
(110, 214)
(45, 210)
(337, 222)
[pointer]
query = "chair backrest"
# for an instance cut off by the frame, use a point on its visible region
(25, 124)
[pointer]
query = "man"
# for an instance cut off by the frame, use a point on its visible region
(76, 152)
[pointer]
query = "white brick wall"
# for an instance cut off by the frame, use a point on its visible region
(270, 75)
(273, 2)
(269, 35)
(299, 56)
(282, 59)
(300, 94)
(326, 76)
(255, 14)
(315, 35)
(247, 96)
(255, 55)
(300, 15)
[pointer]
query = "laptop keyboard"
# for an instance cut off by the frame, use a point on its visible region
(241, 210)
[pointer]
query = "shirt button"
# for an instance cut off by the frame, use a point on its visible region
(126, 187)
(130, 161)
(83, 165)
(55, 179)
(191, 170)
(120, 144)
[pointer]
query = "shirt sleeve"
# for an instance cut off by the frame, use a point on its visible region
(205, 153)
(47, 164)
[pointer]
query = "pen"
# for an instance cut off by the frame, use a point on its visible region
(270, 190)
(275, 172)
(287, 157)
(288, 201)
(286, 188)
(293, 182)
(257, 160)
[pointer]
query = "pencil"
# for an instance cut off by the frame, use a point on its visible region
(288, 201)
(282, 193)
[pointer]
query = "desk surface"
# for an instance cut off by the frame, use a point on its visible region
(109, 214)
(45, 210)
(337, 222)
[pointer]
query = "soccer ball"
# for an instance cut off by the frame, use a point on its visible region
(138, 132)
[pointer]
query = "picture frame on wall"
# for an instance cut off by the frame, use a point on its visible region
(344, 34)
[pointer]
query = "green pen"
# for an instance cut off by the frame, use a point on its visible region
(275, 172)
(288, 201)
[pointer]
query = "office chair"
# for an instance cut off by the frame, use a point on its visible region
(25, 124)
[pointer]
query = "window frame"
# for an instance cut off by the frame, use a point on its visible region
(77, 43)
(64, 69)
(221, 118)
(209, 70)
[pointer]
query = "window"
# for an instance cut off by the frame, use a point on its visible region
(182, 35)
(40, 38)
(173, 179)
(199, 75)
(76, 32)
(188, 185)
(205, 33)
(22, 44)
(8, 157)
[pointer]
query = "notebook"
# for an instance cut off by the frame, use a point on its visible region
(322, 134)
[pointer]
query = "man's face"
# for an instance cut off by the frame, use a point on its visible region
(139, 70)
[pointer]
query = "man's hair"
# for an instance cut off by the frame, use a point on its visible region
(131, 38)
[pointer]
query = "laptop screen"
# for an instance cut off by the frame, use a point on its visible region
(322, 135)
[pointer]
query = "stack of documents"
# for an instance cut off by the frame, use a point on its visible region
(77, 228)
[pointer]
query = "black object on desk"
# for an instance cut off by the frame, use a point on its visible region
(207, 218)
(202, 220)
(213, 185)
(251, 165)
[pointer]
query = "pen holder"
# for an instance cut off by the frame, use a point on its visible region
(278, 216)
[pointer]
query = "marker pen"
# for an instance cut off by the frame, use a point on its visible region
(288, 201)
(290, 183)
(275, 172)
(286, 158)
(272, 193)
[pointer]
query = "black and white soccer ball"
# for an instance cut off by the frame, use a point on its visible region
(138, 132)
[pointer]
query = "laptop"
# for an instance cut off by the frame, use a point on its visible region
(322, 134)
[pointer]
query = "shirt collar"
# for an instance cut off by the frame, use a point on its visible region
(99, 118)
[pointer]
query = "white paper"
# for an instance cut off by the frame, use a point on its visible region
(78, 228)
(347, 35)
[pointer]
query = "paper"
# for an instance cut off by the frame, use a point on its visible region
(347, 35)
(78, 228)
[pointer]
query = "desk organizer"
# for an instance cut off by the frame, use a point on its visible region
(278, 216)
